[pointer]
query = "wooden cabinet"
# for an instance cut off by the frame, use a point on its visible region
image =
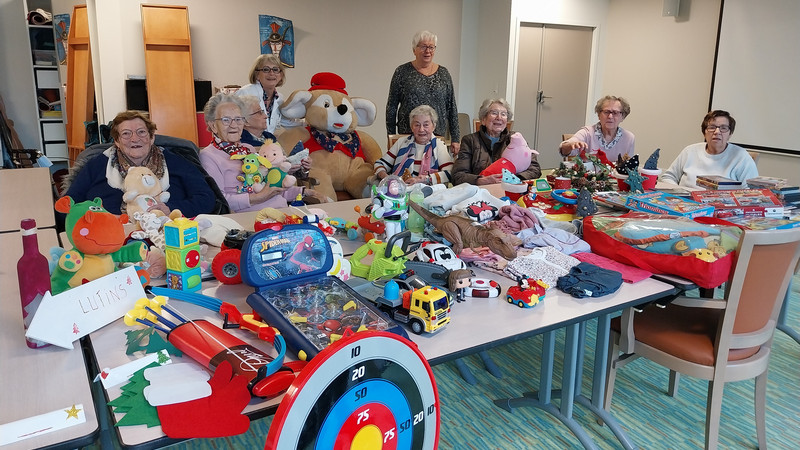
(170, 79)
(80, 82)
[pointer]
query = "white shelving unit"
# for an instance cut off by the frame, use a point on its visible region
(47, 84)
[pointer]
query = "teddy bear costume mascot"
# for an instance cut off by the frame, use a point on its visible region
(342, 158)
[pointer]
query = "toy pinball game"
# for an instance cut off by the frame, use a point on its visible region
(288, 269)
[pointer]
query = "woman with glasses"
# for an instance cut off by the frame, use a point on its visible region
(266, 75)
(419, 158)
(606, 134)
(483, 147)
(134, 145)
(255, 122)
(714, 156)
(225, 119)
(422, 82)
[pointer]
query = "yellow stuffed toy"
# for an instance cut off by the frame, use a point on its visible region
(142, 190)
(341, 158)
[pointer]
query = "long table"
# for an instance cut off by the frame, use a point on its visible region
(477, 324)
(38, 381)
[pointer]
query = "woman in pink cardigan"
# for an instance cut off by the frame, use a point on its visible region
(225, 120)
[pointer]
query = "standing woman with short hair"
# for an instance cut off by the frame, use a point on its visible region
(422, 82)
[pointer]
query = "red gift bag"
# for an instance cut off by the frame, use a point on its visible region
(703, 273)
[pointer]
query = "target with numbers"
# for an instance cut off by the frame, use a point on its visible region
(372, 390)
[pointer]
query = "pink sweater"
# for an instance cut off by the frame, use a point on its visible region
(224, 172)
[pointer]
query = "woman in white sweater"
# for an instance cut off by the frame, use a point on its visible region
(715, 156)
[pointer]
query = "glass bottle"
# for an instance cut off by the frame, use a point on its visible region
(34, 276)
(416, 224)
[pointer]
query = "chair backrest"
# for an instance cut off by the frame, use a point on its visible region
(394, 138)
(463, 123)
(765, 263)
(754, 155)
(181, 147)
(566, 136)
(509, 125)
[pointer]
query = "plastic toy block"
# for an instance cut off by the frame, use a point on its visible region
(185, 281)
(183, 259)
(181, 232)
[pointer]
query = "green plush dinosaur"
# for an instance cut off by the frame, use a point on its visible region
(97, 238)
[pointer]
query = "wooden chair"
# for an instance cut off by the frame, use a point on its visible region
(509, 125)
(716, 340)
(394, 138)
(754, 155)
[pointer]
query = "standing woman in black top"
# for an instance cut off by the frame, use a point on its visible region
(423, 82)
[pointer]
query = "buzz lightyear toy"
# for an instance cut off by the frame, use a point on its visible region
(390, 204)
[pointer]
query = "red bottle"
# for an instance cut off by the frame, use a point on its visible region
(34, 276)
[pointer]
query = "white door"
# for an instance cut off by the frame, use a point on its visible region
(552, 85)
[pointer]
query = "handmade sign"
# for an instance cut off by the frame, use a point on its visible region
(68, 316)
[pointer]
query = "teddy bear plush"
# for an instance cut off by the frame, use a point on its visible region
(342, 158)
(142, 190)
(278, 174)
(97, 238)
(516, 157)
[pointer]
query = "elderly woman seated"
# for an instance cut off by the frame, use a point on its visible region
(134, 145)
(225, 119)
(482, 148)
(714, 156)
(420, 157)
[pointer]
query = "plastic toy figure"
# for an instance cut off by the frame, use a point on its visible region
(527, 293)
(458, 281)
(390, 201)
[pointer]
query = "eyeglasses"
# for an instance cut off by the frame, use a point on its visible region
(228, 120)
(269, 69)
(426, 47)
(141, 132)
(610, 112)
(721, 128)
(496, 113)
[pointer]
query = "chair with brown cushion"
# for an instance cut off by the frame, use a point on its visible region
(716, 340)
(509, 125)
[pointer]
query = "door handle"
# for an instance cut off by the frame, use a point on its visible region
(540, 97)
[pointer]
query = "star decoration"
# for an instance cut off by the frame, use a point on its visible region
(72, 412)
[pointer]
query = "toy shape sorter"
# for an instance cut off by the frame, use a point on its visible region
(288, 269)
(182, 239)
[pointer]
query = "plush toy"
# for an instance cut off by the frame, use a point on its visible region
(142, 190)
(251, 176)
(278, 174)
(516, 157)
(341, 157)
(97, 238)
(213, 228)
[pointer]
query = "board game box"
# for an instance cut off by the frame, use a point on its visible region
(741, 202)
(663, 203)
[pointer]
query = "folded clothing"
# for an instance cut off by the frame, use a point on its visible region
(544, 263)
(561, 240)
(630, 274)
(588, 280)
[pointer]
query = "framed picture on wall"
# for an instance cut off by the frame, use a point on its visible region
(277, 37)
(61, 25)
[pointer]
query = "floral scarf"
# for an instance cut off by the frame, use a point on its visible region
(154, 161)
(231, 148)
(598, 131)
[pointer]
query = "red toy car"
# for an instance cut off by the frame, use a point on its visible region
(527, 293)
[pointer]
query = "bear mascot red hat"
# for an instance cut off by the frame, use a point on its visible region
(341, 158)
